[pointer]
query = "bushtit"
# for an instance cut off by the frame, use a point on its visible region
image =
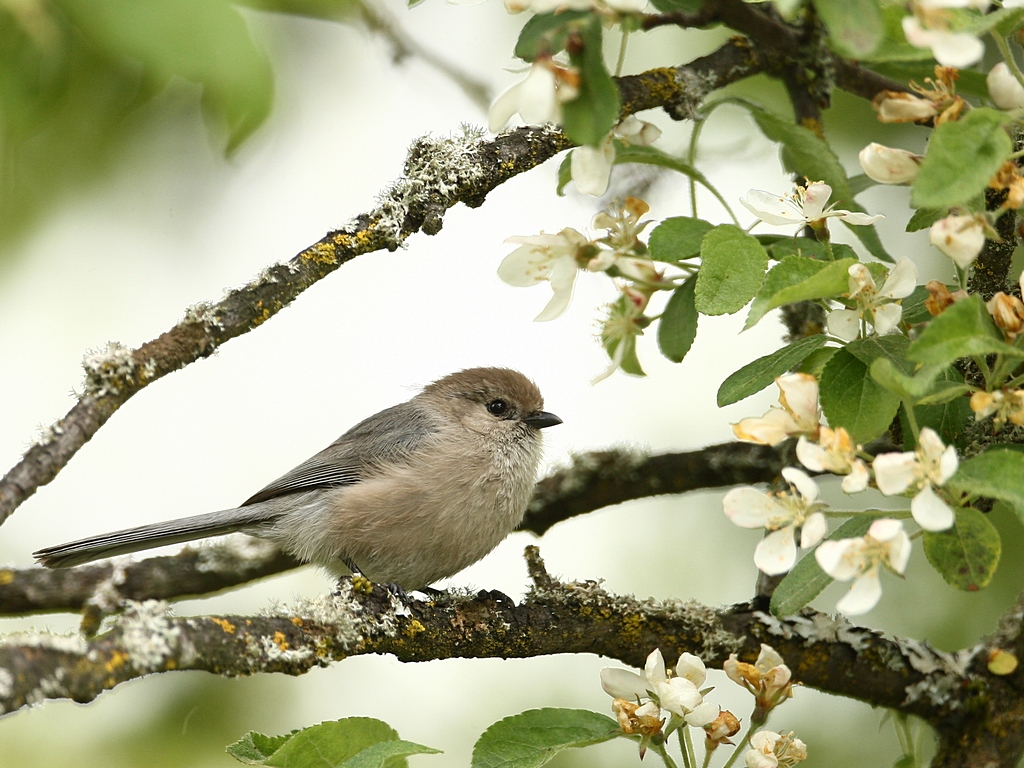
(411, 495)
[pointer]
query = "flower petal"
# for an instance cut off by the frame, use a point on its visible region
(930, 511)
(538, 102)
(804, 485)
(887, 317)
(864, 594)
(563, 278)
(592, 167)
(692, 668)
(840, 559)
(776, 552)
(772, 209)
(857, 480)
(623, 684)
(1003, 87)
(856, 217)
(749, 508)
(902, 281)
(702, 714)
(654, 668)
(814, 529)
(844, 323)
(894, 472)
(816, 195)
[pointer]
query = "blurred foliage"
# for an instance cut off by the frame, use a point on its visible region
(74, 73)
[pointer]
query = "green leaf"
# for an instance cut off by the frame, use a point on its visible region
(678, 326)
(202, 41)
(854, 26)
(798, 278)
(850, 397)
(946, 411)
(354, 742)
(962, 156)
(914, 308)
(806, 581)
(998, 473)
(667, 6)
(530, 739)
(924, 386)
(678, 238)
(966, 555)
(589, 117)
(755, 376)
(923, 218)
(732, 268)
(861, 182)
(546, 33)
(962, 330)
(815, 362)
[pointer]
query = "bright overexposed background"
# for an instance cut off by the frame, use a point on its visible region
(177, 223)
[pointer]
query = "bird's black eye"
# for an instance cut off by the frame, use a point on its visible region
(497, 407)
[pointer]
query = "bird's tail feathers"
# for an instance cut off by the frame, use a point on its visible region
(155, 535)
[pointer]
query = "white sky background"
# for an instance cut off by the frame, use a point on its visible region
(177, 226)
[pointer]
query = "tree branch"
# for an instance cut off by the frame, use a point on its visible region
(359, 620)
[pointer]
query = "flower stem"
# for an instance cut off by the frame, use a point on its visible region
(661, 751)
(622, 52)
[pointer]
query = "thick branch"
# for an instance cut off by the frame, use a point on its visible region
(555, 618)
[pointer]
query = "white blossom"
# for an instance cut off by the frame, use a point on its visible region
(959, 237)
(806, 206)
(799, 414)
(538, 97)
(591, 167)
(769, 749)
(951, 49)
(887, 165)
(679, 693)
(781, 513)
(835, 452)
(1003, 87)
(543, 257)
(877, 306)
(930, 466)
(885, 545)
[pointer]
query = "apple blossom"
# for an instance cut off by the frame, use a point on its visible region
(806, 207)
(1003, 87)
(930, 466)
(781, 513)
(769, 749)
(903, 107)
(799, 414)
(1007, 312)
(554, 258)
(625, 321)
(538, 97)
(1003, 405)
(591, 167)
(951, 49)
(835, 452)
(886, 544)
(678, 693)
(768, 679)
(887, 165)
(959, 237)
(877, 306)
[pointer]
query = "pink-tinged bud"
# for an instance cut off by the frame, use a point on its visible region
(1003, 87)
(902, 107)
(889, 166)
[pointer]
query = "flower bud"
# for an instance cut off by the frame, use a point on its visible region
(1003, 87)
(889, 166)
(721, 728)
(939, 297)
(959, 237)
(902, 107)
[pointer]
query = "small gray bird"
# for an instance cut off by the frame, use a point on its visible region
(411, 495)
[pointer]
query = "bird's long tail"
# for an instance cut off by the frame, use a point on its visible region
(155, 535)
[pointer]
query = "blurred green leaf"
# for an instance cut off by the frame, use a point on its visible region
(354, 742)
(532, 738)
(948, 417)
(589, 117)
(923, 218)
(678, 326)
(732, 268)
(854, 26)
(962, 156)
(966, 555)
(546, 33)
(806, 581)
(998, 473)
(755, 376)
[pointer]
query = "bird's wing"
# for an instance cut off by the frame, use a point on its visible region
(387, 437)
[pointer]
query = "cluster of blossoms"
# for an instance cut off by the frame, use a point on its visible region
(794, 511)
(642, 698)
(807, 207)
(962, 234)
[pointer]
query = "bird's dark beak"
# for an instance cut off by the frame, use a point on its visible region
(542, 419)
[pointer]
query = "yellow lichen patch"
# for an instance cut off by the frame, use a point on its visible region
(631, 627)
(320, 253)
(262, 315)
(224, 624)
(296, 621)
(117, 659)
(414, 628)
(6, 576)
(362, 584)
(280, 641)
